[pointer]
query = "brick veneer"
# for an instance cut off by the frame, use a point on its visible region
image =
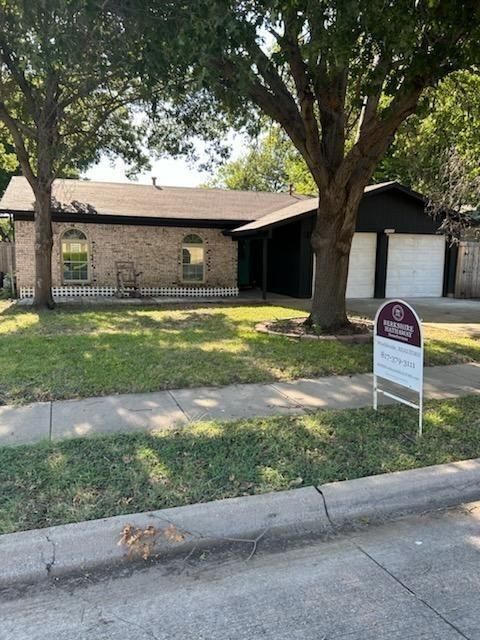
(156, 252)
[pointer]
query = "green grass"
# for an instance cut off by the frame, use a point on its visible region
(74, 480)
(71, 353)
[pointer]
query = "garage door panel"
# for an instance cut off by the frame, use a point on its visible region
(361, 271)
(415, 265)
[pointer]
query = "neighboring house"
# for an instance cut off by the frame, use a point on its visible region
(185, 241)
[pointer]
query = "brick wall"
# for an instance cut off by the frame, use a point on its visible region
(156, 252)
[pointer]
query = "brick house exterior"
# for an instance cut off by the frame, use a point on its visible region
(146, 226)
(155, 251)
(210, 242)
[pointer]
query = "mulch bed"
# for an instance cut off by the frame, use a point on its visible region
(359, 330)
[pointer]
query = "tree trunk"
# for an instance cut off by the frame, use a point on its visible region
(43, 249)
(331, 242)
(47, 145)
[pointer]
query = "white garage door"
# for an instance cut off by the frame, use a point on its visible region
(415, 266)
(361, 270)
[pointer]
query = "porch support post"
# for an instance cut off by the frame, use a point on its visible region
(264, 266)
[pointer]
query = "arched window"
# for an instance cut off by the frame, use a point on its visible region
(192, 259)
(75, 256)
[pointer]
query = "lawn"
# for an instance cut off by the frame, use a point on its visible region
(70, 353)
(81, 479)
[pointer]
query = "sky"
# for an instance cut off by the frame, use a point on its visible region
(172, 172)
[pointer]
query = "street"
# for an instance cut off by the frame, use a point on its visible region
(414, 578)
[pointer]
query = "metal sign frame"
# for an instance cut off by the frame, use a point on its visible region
(376, 388)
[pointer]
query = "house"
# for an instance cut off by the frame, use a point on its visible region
(213, 242)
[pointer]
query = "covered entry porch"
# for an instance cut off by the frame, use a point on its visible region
(276, 257)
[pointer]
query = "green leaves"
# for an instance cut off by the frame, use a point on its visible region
(68, 76)
(447, 121)
(272, 164)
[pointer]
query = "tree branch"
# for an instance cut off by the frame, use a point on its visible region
(21, 151)
(305, 97)
(26, 88)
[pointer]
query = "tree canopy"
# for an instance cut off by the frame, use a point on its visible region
(447, 123)
(271, 164)
(67, 86)
(446, 126)
(8, 161)
(64, 68)
(339, 77)
(324, 69)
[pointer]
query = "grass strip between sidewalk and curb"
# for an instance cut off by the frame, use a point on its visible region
(82, 352)
(87, 478)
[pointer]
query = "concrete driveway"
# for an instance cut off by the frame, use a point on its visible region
(462, 316)
(454, 314)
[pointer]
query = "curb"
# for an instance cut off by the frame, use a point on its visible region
(392, 495)
(42, 554)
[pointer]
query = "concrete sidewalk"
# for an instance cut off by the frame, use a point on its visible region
(163, 409)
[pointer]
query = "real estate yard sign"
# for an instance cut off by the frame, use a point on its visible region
(398, 353)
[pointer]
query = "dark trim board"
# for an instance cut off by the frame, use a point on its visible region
(450, 273)
(396, 187)
(141, 221)
(250, 233)
(381, 265)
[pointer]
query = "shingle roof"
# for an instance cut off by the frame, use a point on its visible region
(110, 198)
(291, 212)
(257, 210)
(303, 207)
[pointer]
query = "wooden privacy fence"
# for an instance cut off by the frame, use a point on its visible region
(7, 256)
(467, 282)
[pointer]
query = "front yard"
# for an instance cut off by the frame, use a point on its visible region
(82, 479)
(71, 353)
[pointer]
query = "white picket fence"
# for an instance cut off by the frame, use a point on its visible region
(148, 292)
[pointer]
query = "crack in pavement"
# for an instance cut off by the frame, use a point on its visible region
(325, 506)
(49, 565)
(411, 591)
(50, 421)
(102, 618)
(179, 406)
(149, 633)
(292, 403)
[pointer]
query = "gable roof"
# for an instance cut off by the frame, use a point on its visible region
(148, 201)
(309, 205)
(252, 210)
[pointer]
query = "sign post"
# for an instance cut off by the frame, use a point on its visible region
(398, 353)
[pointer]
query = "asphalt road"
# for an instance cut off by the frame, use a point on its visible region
(416, 578)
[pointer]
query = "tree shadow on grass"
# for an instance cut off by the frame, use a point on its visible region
(195, 349)
(441, 352)
(85, 321)
(97, 477)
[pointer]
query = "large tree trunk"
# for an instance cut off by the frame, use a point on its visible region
(47, 149)
(331, 242)
(43, 249)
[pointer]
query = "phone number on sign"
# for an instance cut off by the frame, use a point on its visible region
(397, 360)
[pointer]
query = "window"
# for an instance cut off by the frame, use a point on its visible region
(192, 259)
(75, 256)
